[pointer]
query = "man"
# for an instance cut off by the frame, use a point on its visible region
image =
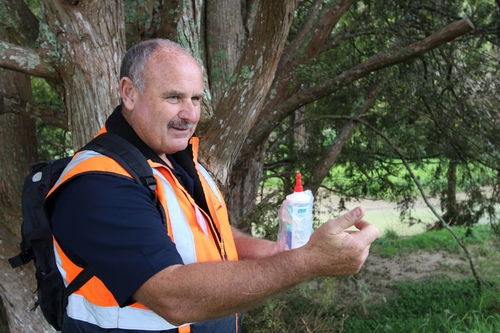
(155, 278)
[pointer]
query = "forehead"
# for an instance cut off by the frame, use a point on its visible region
(172, 64)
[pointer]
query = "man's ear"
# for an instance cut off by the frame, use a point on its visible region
(128, 93)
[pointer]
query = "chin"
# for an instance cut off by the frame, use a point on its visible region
(176, 148)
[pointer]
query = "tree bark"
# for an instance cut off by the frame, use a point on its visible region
(225, 23)
(90, 70)
(10, 104)
(18, 150)
(240, 106)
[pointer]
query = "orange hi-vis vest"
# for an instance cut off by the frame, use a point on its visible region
(188, 226)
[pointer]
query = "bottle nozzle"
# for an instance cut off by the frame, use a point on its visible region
(298, 183)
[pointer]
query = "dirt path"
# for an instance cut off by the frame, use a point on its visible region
(373, 284)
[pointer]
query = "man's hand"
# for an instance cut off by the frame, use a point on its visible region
(334, 251)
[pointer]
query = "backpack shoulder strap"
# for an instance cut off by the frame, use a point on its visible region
(130, 158)
(126, 154)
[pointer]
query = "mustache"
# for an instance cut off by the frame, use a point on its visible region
(180, 124)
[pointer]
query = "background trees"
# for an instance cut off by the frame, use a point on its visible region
(286, 82)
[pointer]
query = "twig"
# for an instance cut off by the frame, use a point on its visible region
(305, 324)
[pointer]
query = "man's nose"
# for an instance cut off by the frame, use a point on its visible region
(189, 110)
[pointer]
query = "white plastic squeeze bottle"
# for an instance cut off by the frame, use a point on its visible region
(295, 216)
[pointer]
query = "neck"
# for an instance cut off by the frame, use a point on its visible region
(166, 160)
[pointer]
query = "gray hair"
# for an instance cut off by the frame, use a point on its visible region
(137, 57)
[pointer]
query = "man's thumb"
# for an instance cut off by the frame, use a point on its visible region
(350, 218)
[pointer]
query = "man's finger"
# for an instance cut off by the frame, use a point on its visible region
(349, 219)
(368, 230)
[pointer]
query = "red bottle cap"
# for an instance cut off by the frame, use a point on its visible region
(298, 183)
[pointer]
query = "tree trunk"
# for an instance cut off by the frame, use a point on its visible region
(240, 106)
(17, 152)
(90, 69)
(243, 189)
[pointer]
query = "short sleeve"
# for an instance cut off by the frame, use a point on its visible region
(111, 224)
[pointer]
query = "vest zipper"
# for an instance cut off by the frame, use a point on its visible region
(217, 237)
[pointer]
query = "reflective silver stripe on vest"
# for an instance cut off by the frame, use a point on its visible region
(79, 308)
(183, 237)
(210, 182)
(115, 317)
(84, 155)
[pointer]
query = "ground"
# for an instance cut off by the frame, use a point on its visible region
(373, 284)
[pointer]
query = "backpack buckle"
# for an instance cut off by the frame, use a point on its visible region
(150, 182)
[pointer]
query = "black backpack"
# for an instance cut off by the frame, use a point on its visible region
(36, 232)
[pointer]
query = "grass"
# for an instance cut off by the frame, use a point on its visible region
(391, 244)
(436, 305)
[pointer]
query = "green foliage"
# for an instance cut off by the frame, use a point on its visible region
(440, 109)
(305, 308)
(391, 244)
(436, 305)
(264, 220)
(52, 142)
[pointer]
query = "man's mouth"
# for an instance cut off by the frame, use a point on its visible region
(180, 125)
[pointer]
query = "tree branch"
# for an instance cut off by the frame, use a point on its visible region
(22, 34)
(328, 159)
(305, 46)
(247, 93)
(24, 60)
(378, 62)
(146, 19)
(293, 48)
(310, 44)
(168, 18)
(10, 104)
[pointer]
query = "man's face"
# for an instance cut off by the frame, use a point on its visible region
(165, 114)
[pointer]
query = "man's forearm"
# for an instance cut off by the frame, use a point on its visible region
(203, 291)
(249, 247)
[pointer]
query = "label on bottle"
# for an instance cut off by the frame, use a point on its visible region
(301, 216)
(289, 235)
